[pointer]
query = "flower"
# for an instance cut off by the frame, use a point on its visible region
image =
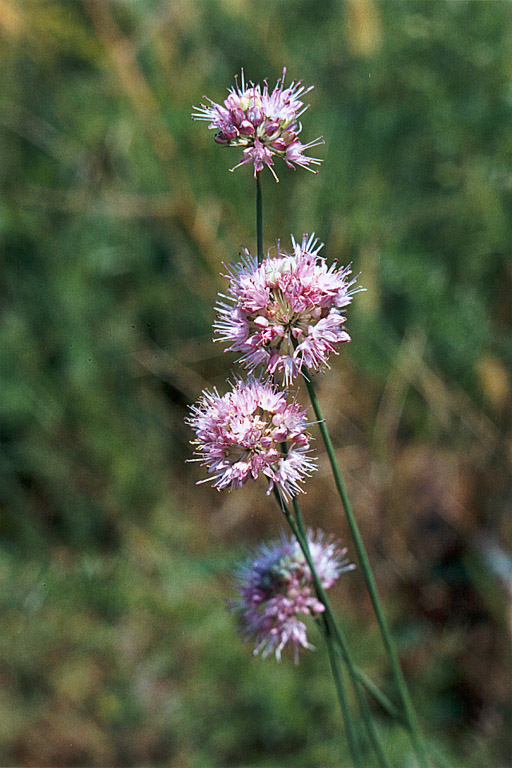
(275, 588)
(264, 124)
(284, 314)
(249, 431)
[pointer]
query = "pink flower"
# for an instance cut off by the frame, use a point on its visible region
(250, 431)
(284, 314)
(264, 124)
(276, 588)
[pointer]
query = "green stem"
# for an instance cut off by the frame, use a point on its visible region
(342, 696)
(332, 626)
(259, 219)
(387, 638)
(384, 701)
(333, 656)
(339, 684)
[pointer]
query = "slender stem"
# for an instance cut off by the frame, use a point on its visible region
(333, 656)
(361, 676)
(332, 626)
(380, 697)
(387, 638)
(342, 695)
(299, 519)
(259, 219)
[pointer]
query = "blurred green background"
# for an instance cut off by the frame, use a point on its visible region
(116, 214)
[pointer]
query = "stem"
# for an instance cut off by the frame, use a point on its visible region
(387, 638)
(332, 626)
(259, 219)
(380, 697)
(300, 534)
(342, 696)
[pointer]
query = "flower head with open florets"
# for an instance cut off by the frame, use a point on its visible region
(276, 588)
(250, 431)
(284, 315)
(264, 124)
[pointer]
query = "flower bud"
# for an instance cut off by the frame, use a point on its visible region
(255, 115)
(246, 128)
(279, 144)
(232, 101)
(220, 138)
(280, 434)
(237, 116)
(230, 132)
(271, 129)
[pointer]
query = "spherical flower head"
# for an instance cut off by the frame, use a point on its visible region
(250, 431)
(284, 315)
(276, 590)
(264, 124)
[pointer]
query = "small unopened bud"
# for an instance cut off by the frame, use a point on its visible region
(271, 129)
(279, 144)
(237, 116)
(220, 138)
(230, 132)
(261, 322)
(246, 128)
(255, 115)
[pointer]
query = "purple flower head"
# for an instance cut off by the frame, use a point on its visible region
(275, 588)
(284, 314)
(250, 431)
(264, 124)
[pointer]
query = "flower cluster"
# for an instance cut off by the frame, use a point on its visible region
(276, 588)
(284, 315)
(264, 124)
(250, 431)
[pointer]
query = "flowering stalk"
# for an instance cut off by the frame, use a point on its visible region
(333, 630)
(284, 317)
(259, 219)
(339, 684)
(408, 708)
(321, 616)
(387, 638)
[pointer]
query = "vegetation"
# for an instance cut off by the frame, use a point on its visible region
(116, 215)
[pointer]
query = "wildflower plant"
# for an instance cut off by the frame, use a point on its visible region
(284, 315)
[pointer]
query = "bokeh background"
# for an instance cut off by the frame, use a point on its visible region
(116, 214)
